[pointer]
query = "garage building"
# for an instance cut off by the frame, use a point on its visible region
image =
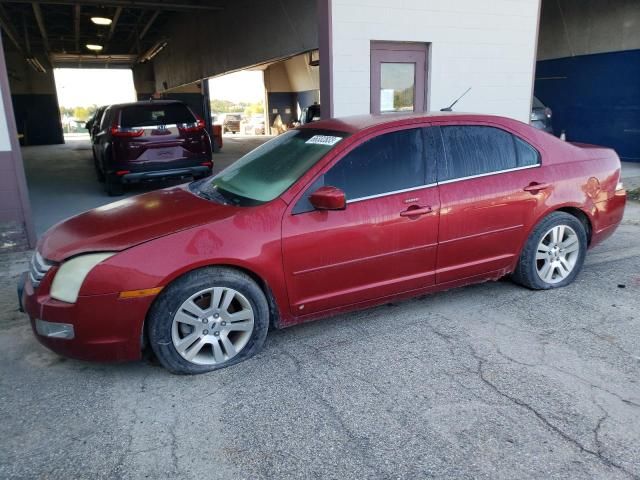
(351, 56)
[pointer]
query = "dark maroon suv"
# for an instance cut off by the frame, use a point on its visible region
(150, 140)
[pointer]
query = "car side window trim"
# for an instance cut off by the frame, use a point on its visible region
(497, 172)
(386, 194)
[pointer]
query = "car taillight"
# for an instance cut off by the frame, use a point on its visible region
(207, 164)
(195, 127)
(126, 132)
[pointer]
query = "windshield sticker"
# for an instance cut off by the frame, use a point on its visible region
(323, 140)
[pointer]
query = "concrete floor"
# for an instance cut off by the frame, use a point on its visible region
(62, 180)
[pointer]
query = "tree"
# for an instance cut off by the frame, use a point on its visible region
(254, 108)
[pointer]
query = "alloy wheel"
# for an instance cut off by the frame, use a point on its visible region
(557, 254)
(212, 326)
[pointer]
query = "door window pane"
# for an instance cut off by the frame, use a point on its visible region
(389, 162)
(397, 85)
(474, 150)
(527, 155)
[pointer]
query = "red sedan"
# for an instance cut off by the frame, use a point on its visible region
(335, 216)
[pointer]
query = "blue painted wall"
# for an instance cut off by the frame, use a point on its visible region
(284, 100)
(595, 99)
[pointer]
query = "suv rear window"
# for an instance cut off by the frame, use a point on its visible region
(152, 115)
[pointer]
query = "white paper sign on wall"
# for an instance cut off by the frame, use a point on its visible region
(386, 100)
(5, 142)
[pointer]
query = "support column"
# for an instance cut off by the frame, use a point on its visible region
(16, 225)
(326, 58)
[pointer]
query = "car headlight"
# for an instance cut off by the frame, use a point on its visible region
(71, 274)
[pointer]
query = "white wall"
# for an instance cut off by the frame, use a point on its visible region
(485, 44)
(5, 143)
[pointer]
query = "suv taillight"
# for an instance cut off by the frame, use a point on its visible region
(126, 132)
(195, 127)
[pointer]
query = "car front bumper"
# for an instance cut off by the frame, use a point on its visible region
(101, 328)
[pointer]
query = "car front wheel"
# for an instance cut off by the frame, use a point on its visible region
(553, 254)
(208, 319)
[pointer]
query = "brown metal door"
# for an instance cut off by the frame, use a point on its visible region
(398, 77)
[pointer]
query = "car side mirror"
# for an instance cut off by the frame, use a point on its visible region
(328, 198)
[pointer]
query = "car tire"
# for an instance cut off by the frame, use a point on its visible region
(114, 186)
(99, 172)
(191, 331)
(553, 254)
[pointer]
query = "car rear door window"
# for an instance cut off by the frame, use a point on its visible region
(387, 163)
(154, 115)
(476, 150)
(527, 155)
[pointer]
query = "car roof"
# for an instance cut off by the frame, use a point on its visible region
(146, 103)
(353, 124)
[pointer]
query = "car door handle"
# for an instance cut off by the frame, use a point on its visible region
(535, 187)
(416, 211)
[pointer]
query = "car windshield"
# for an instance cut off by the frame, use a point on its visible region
(266, 172)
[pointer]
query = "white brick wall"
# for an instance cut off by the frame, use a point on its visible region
(485, 44)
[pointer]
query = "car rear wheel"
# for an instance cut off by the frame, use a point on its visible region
(208, 319)
(553, 254)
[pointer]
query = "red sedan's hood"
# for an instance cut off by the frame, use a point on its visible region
(129, 222)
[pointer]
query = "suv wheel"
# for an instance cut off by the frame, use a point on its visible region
(114, 186)
(208, 319)
(553, 254)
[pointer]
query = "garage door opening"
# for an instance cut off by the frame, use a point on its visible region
(238, 103)
(82, 91)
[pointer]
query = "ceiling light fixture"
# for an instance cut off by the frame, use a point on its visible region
(36, 65)
(153, 51)
(101, 20)
(95, 48)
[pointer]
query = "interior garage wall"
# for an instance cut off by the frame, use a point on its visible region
(35, 102)
(488, 45)
(588, 71)
(145, 85)
(289, 84)
(244, 34)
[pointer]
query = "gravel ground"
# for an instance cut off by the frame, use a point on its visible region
(489, 381)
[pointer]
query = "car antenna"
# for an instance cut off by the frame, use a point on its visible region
(450, 107)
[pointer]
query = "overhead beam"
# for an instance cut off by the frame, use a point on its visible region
(9, 31)
(148, 24)
(27, 43)
(114, 22)
(37, 12)
(139, 4)
(76, 26)
(112, 28)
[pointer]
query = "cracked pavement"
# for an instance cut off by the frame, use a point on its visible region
(489, 381)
